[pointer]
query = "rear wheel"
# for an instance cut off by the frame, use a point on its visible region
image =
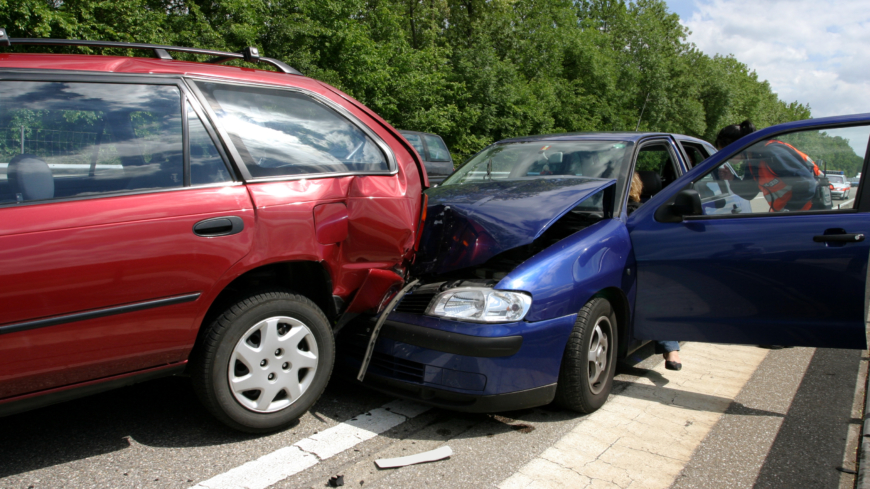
(264, 362)
(589, 361)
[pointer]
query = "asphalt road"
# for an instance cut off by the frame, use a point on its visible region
(793, 423)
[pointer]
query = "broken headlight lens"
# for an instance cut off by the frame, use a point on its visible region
(480, 304)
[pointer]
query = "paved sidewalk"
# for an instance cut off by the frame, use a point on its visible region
(735, 416)
(647, 434)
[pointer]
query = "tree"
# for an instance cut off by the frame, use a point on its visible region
(474, 71)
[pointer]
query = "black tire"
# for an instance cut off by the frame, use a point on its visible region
(210, 361)
(575, 391)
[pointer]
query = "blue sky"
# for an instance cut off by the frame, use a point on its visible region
(683, 8)
(811, 51)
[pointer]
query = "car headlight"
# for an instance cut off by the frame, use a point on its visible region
(480, 304)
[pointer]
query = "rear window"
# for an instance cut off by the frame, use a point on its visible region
(437, 149)
(416, 142)
(283, 132)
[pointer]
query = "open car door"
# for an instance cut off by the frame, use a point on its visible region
(786, 266)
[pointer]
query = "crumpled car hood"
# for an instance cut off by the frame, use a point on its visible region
(468, 224)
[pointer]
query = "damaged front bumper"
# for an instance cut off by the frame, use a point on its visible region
(465, 366)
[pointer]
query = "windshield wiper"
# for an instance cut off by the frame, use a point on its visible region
(489, 169)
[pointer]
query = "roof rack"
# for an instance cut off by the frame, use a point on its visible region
(249, 54)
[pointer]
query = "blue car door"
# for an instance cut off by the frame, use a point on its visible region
(788, 268)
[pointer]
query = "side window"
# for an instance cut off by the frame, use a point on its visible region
(437, 148)
(76, 139)
(709, 149)
(694, 153)
(787, 173)
(206, 164)
(655, 166)
(417, 143)
(281, 132)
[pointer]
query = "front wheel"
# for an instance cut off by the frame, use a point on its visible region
(589, 361)
(264, 362)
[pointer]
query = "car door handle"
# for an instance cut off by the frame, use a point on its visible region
(838, 238)
(219, 226)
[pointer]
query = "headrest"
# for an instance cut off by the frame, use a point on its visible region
(652, 182)
(30, 177)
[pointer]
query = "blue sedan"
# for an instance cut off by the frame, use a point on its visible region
(533, 278)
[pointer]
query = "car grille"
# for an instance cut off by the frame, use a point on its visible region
(397, 368)
(415, 303)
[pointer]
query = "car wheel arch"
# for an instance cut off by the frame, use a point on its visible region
(619, 303)
(306, 278)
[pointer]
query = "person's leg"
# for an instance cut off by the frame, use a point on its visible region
(671, 351)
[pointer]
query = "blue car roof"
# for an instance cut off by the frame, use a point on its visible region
(636, 136)
(581, 136)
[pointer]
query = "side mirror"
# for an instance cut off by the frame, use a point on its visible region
(686, 203)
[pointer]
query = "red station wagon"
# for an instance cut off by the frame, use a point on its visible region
(162, 216)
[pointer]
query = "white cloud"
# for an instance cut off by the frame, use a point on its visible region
(811, 51)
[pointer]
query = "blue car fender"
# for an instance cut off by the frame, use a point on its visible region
(563, 277)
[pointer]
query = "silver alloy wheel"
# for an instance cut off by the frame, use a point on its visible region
(598, 352)
(273, 364)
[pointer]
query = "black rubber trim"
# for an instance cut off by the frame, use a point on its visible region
(456, 343)
(468, 403)
(714, 217)
(99, 313)
(38, 401)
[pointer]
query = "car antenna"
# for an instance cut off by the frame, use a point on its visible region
(641, 112)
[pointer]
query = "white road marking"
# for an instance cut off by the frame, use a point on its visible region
(847, 204)
(339, 438)
(306, 453)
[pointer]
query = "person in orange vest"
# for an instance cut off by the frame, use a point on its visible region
(786, 176)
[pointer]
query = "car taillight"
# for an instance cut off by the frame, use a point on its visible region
(422, 222)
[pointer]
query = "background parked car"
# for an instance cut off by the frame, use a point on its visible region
(534, 280)
(213, 220)
(436, 157)
(840, 187)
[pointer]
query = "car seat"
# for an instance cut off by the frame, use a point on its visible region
(159, 173)
(652, 184)
(30, 178)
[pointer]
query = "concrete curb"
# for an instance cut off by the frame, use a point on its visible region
(863, 480)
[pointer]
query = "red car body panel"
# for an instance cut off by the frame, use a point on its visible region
(107, 252)
(68, 257)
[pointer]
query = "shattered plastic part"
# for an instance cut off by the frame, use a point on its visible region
(430, 456)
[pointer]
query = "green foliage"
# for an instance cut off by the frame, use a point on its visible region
(828, 149)
(474, 71)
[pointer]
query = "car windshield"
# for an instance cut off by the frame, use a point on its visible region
(836, 178)
(535, 159)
